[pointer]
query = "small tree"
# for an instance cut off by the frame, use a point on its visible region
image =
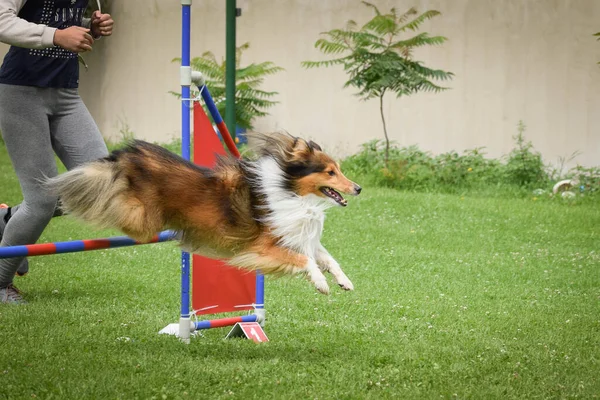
(250, 101)
(377, 61)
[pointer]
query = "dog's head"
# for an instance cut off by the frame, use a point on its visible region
(307, 169)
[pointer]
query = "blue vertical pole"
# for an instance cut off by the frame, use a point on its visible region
(260, 298)
(185, 86)
(186, 81)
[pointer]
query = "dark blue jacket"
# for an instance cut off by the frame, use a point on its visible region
(51, 67)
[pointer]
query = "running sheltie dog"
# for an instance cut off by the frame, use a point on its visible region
(263, 214)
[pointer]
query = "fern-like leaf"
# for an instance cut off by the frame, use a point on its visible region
(381, 24)
(422, 39)
(325, 63)
(329, 47)
(404, 17)
(251, 102)
(416, 23)
(372, 6)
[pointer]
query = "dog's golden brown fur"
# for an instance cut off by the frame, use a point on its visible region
(264, 214)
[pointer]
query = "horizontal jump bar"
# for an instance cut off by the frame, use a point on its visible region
(74, 246)
(219, 323)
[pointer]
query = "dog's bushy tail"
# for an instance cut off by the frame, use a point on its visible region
(90, 192)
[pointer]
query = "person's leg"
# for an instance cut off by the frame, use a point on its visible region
(26, 132)
(75, 139)
(5, 214)
(75, 136)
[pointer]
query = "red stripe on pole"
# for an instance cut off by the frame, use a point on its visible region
(154, 239)
(41, 249)
(96, 244)
(219, 323)
(227, 139)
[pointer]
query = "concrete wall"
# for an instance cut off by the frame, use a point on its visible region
(530, 60)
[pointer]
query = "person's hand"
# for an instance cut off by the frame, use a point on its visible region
(102, 24)
(74, 38)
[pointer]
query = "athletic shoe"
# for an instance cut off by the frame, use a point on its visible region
(11, 295)
(24, 266)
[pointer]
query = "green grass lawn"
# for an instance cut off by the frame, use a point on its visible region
(455, 297)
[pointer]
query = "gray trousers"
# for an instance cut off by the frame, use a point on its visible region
(36, 123)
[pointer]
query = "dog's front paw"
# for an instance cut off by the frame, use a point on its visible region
(321, 286)
(345, 283)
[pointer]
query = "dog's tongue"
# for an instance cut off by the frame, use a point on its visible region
(336, 196)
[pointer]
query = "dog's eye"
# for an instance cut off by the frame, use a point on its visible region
(331, 173)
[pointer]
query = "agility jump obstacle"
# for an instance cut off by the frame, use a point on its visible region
(217, 288)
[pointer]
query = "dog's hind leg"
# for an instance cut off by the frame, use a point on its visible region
(277, 260)
(327, 263)
(135, 220)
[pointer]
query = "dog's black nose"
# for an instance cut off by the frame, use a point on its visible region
(357, 189)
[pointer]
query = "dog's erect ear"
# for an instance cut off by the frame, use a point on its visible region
(301, 145)
(281, 145)
(314, 146)
(299, 151)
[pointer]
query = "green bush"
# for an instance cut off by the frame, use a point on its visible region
(588, 179)
(520, 173)
(524, 166)
(414, 169)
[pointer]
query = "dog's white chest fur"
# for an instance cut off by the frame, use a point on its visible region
(297, 220)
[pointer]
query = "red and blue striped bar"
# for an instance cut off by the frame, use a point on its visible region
(75, 246)
(219, 323)
(214, 112)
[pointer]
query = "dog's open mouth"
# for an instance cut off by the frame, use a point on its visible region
(329, 192)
